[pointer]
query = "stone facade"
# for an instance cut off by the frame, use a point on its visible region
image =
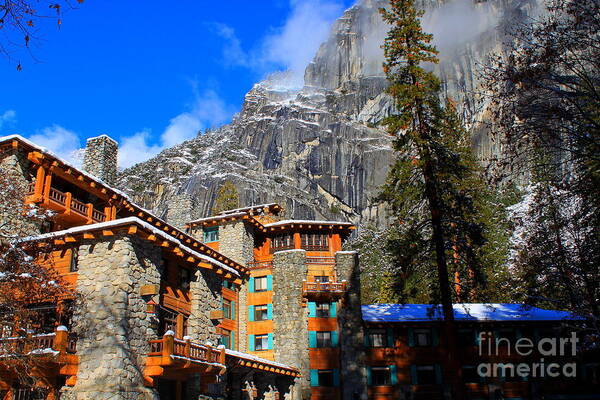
(111, 321)
(180, 209)
(206, 296)
(14, 166)
(101, 154)
(290, 319)
(352, 356)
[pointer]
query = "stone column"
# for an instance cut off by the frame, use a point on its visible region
(111, 321)
(290, 319)
(206, 297)
(14, 165)
(352, 351)
(180, 210)
(100, 158)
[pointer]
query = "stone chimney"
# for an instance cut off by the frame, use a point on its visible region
(100, 158)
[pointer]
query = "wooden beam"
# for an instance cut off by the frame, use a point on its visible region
(70, 239)
(132, 230)
(108, 232)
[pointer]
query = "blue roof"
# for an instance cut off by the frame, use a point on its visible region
(462, 312)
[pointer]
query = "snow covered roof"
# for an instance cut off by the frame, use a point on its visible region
(127, 222)
(462, 312)
(252, 358)
(217, 218)
(175, 233)
(274, 206)
(307, 222)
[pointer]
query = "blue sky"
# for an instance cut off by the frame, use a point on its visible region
(152, 73)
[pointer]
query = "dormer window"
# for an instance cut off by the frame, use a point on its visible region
(314, 241)
(211, 234)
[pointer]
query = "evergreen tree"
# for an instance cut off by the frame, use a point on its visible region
(227, 198)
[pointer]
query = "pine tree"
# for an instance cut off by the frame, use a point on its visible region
(227, 198)
(432, 188)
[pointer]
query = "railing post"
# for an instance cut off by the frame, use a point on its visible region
(68, 198)
(188, 346)
(168, 347)
(61, 339)
(89, 212)
(222, 355)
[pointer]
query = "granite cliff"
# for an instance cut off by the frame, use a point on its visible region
(317, 150)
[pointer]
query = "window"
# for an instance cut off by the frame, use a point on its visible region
(282, 242)
(261, 342)
(425, 375)
(6, 331)
(260, 284)
(322, 279)
(261, 313)
(73, 265)
(377, 338)
(323, 339)
(325, 377)
(470, 375)
(185, 278)
(380, 376)
(423, 337)
(227, 312)
(226, 339)
(167, 321)
(211, 234)
(314, 241)
(322, 310)
(29, 393)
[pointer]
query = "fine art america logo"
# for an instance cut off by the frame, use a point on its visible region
(525, 347)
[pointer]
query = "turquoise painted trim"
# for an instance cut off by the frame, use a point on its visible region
(270, 311)
(367, 340)
(312, 339)
(233, 309)
(251, 285)
(438, 374)
(314, 377)
(251, 342)
(411, 339)
(270, 341)
(334, 339)
(333, 310)
(336, 377)
(414, 378)
(269, 282)
(369, 376)
(390, 337)
(232, 340)
(251, 313)
(393, 374)
(312, 309)
(435, 336)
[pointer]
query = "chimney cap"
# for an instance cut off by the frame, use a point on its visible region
(102, 137)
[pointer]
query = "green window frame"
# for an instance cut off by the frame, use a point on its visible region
(210, 234)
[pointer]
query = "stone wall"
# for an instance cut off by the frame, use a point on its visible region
(352, 351)
(290, 319)
(111, 319)
(206, 296)
(100, 158)
(14, 167)
(180, 210)
(236, 241)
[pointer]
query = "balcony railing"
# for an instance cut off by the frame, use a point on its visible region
(260, 264)
(50, 343)
(75, 206)
(168, 349)
(334, 289)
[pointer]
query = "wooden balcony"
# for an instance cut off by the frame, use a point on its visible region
(65, 204)
(325, 290)
(54, 350)
(170, 357)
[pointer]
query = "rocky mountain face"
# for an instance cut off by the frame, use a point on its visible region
(318, 150)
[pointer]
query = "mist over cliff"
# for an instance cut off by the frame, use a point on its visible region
(317, 150)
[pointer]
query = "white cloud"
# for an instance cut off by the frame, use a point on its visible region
(7, 116)
(208, 110)
(61, 141)
(288, 47)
